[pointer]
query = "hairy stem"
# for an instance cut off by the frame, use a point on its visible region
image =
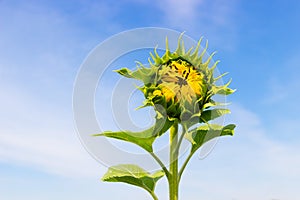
(184, 130)
(153, 195)
(173, 181)
(161, 164)
(184, 165)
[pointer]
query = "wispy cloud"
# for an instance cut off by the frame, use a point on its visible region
(38, 48)
(45, 153)
(34, 134)
(282, 97)
(249, 165)
(214, 20)
(180, 12)
(282, 90)
(277, 156)
(283, 85)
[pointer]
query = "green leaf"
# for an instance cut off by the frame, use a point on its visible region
(139, 138)
(144, 138)
(133, 175)
(208, 115)
(204, 117)
(205, 133)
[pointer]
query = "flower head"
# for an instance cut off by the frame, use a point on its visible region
(179, 82)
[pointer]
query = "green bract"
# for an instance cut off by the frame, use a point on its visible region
(179, 86)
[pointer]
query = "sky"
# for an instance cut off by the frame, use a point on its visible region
(43, 44)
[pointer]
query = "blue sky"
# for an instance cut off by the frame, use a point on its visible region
(43, 43)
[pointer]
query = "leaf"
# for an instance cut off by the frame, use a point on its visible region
(144, 138)
(134, 175)
(205, 133)
(204, 117)
(208, 115)
(138, 138)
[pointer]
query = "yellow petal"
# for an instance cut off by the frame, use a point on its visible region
(157, 93)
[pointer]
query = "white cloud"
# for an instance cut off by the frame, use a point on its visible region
(34, 133)
(282, 97)
(180, 12)
(43, 152)
(283, 90)
(213, 19)
(278, 157)
(249, 165)
(37, 72)
(283, 85)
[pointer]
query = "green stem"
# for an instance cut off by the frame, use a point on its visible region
(184, 130)
(184, 165)
(173, 181)
(161, 164)
(153, 195)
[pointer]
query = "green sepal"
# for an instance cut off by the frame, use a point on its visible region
(205, 133)
(223, 89)
(144, 74)
(125, 72)
(134, 175)
(212, 103)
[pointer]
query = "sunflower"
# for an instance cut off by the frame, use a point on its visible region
(179, 81)
(179, 85)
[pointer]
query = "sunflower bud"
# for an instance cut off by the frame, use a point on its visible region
(180, 82)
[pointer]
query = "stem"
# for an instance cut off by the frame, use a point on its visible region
(161, 164)
(181, 138)
(184, 165)
(173, 181)
(153, 195)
